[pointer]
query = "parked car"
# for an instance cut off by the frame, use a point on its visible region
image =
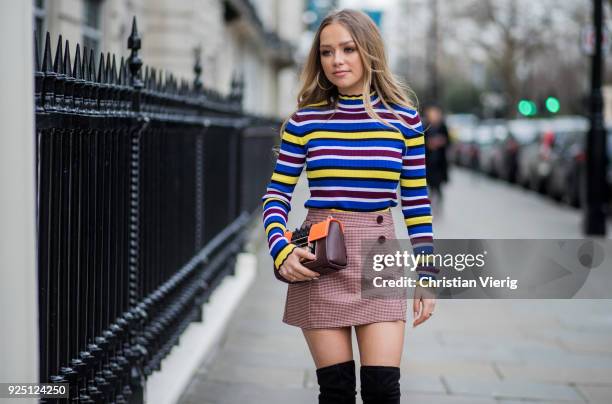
(566, 181)
(461, 129)
(522, 132)
(488, 135)
(535, 162)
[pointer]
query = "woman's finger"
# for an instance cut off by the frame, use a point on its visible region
(304, 253)
(426, 313)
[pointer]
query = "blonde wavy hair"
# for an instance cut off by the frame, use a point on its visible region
(316, 88)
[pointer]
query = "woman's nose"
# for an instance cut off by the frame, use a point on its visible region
(338, 58)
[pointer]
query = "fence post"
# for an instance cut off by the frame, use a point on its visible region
(137, 351)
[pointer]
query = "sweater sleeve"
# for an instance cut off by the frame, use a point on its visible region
(416, 206)
(277, 199)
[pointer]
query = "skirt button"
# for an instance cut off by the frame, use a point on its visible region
(379, 219)
(381, 239)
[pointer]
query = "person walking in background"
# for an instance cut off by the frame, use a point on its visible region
(436, 142)
(359, 137)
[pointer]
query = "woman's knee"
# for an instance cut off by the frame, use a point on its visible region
(329, 346)
(381, 344)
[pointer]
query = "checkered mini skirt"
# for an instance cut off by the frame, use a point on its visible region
(334, 300)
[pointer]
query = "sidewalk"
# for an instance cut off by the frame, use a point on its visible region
(472, 352)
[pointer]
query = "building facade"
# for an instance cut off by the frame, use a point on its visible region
(256, 39)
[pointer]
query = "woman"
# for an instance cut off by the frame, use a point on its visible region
(436, 144)
(356, 149)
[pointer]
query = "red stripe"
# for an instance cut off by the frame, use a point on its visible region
(351, 194)
(291, 159)
(414, 202)
(415, 162)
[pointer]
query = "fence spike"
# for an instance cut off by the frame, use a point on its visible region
(92, 65)
(134, 43)
(36, 53)
(160, 86)
(78, 67)
(197, 69)
(113, 77)
(145, 80)
(101, 72)
(47, 62)
(58, 61)
(121, 78)
(126, 72)
(107, 69)
(67, 62)
(153, 80)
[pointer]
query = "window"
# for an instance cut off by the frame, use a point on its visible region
(92, 34)
(39, 22)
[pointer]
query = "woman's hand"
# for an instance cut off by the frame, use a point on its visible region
(293, 270)
(423, 304)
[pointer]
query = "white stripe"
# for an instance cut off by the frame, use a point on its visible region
(272, 207)
(414, 167)
(372, 148)
(412, 198)
(287, 153)
(426, 205)
(322, 198)
(351, 189)
(275, 215)
(358, 106)
(415, 157)
(402, 123)
(289, 164)
(334, 156)
(421, 235)
(276, 196)
(276, 242)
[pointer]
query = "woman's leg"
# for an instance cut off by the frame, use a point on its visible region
(332, 353)
(380, 350)
(329, 346)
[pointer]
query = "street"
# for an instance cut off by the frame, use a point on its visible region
(472, 351)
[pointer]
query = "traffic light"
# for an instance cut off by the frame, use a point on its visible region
(527, 108)
(553, 105)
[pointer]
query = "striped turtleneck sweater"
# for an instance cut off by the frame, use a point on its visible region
(353, 163)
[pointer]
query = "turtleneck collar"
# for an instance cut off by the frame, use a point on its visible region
(352, 100)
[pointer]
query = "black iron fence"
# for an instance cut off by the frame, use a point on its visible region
(146, 184)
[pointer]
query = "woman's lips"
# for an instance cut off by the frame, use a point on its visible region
(341, 73)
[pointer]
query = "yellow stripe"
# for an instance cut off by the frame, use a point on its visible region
(293, 139)
(273, 225)
(413, 183)
(274, 198)
(317, 104)
(353, 174)
(352, 135)
(411, 221)
(285, 179)
(282, 255)
(415, 141)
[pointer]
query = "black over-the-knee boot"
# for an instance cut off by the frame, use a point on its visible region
(380, 384)
(337, 383)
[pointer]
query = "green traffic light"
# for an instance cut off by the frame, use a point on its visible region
(534, 108)
(524, 107)
(527, 108)
(553, 105)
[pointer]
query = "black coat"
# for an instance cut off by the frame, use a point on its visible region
(437, 165)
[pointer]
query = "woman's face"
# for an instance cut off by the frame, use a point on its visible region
(340, 59)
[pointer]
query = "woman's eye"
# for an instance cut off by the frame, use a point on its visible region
(349, 50)
(324, 53)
